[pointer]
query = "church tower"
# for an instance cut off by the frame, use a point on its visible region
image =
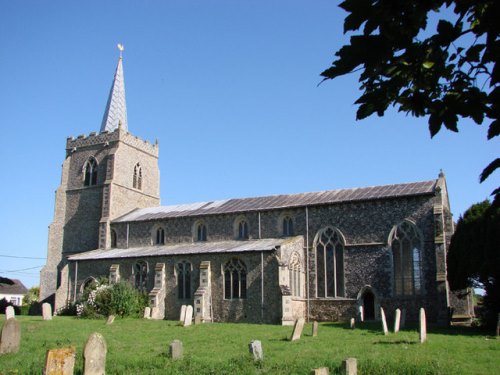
(104, 176)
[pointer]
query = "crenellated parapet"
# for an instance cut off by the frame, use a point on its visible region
(107, 139)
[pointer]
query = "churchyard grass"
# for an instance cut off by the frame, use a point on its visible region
(140, 346)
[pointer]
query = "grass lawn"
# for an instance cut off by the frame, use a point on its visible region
(138, 346)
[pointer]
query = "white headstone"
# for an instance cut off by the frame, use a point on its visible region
(297, 329)
(384, 321)
(255, 348)
(47, 311)
(183, 313)
(350, 366)
(397, 320)
(188, 319)
(147, 313)
(176, 350)
(315, 329)
(423, 326)
(10, 312)
(94, 355)
(320, 371)
(111, 319)
(353, 323)
(361, 313)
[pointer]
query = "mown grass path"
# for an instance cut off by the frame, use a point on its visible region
(138, 346)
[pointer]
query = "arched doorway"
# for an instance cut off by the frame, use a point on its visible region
(368, 305)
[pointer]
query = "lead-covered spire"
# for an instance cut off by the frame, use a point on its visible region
(115, 114)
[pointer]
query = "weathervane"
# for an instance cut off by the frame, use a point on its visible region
(121, 48)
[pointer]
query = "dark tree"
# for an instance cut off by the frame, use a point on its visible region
(445, 72)
(474, 254)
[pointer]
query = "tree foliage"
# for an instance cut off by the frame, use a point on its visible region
(474, 254)
(31, 296)
(445, 74)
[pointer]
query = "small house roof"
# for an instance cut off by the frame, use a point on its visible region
(12, 286)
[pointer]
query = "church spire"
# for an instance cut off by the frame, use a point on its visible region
(115, 114)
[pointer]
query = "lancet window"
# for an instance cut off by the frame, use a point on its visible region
(235, 279)
(90, 172)
(183, 270)
(329, 248)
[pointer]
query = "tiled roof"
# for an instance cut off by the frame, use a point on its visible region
(280, 201)
(182, 249)
(17, 287)
(115, 114)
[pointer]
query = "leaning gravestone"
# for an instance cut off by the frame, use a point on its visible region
(297, 329)
(47, 311)
(110, 320)
(59, 361)
(320, 371)
(350, 366)
(10, 338)
(353, 323)
(423, 326)
(188, 319)
(94, 355)
(183, 313)
(315, 329)
(176, 350)
(147, 313)
(384, 321)
(255, 348)
(10, 312)
(397, 320)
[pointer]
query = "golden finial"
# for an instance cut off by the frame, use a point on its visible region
(121, 48)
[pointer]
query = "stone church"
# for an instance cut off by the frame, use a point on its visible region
(327, 255)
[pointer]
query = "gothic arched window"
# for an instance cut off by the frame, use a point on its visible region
(406, 246)
(329, 247)
(243, 230)
(90, 172)
(294, 270)
(235, 279)
(201, 232)
(287, 226)
(137, 181)
(160, 236)
(183, 270)
(113, 238)
(140, 275)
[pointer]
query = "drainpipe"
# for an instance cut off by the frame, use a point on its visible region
(307, 266)
(260, 232)
(76, 278)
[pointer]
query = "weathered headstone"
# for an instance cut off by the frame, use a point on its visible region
(94, 355)
(423, 326)
(320, 371)
(176, 350)
(47, 311)
(353, 323)
(255, 348)
(110, 320)
(10, 338)
(10, 312)
(361, 313)
(384, 321)
(350, 366)
(188, 319)
(197, 319)
(297, 329)
(59, 361)
(315, 329)
(403, 318)
(183, 313)
(397, 320)
(147, 312)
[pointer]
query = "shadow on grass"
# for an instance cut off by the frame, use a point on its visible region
(399, 342)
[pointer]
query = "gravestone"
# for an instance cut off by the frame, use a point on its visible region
(350, 366)
(10, 338)
(297, 329)
(47, 311)
(320, 371)
(397, 320)
(147, 313)
(353, 323)
(183, 314)
(423, 326)
(384, 321)
(361, 313)
(176, 350)
(315, 329)
(188, 319)
(59, 361)
(110, 320)
(197, 319)
(403, 318)
(255, 348)
(10, 312)
(94, 355)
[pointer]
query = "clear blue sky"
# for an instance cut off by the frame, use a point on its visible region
(230, 90)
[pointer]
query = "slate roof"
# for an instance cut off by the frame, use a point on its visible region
(116, 108)
(182, 249)
(17, 287)
(280, 201)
